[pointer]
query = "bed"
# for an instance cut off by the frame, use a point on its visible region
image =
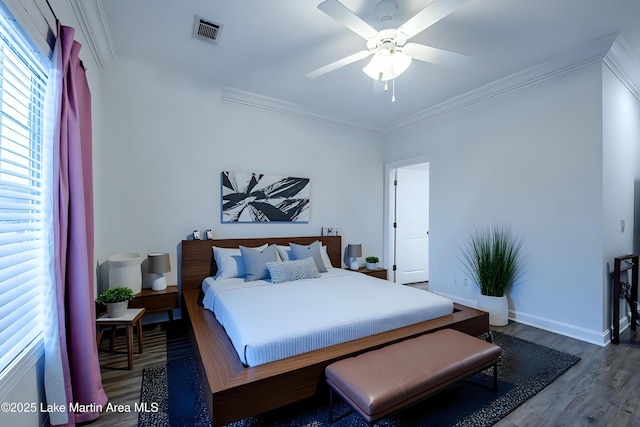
(234, 390)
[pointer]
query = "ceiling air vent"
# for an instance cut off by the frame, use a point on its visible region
(206, 30)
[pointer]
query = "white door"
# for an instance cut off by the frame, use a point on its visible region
(412, 224)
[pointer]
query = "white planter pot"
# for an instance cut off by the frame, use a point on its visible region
(372, 265)
(125, 270)
(497, 307)
(117, 309)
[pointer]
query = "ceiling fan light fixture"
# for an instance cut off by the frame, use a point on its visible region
(400, 61)
(387, 64)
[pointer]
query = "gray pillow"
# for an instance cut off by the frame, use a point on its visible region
(289, 271)
(255, 262)
(305, 251)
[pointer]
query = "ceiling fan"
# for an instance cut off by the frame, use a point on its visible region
(392, 54)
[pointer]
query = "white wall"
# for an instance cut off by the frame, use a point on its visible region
(531, 159)
(621, 175)
(165, 140)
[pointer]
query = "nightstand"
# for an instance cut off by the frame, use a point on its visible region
(156, 301)
(380, 273)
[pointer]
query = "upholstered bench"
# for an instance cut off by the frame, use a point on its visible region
(382, 381)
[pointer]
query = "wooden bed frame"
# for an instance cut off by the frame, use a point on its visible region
(233, 391)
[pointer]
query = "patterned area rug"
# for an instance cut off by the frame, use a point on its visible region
(525, 369)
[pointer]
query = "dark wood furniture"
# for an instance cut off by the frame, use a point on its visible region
(626, 290)
(131, 318)
(157, 301)
(233, 391)
(380, 273)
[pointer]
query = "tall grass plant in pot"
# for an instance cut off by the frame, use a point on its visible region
(492, 258)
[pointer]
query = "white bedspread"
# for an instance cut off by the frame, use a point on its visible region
(268, 322)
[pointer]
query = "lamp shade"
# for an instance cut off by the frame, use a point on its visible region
(158, 263)
(354, 251)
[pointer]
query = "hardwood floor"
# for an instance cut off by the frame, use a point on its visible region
(161, 343)
(603, 389)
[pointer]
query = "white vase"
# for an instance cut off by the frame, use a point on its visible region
(497, 307)
(125, 270)
(372, 265)
(117, 309)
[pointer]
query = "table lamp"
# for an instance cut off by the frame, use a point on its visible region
(353, 252)
(158, 264)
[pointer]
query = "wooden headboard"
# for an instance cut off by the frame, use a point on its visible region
(198, 263)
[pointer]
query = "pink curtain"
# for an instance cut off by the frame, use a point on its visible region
(73, 231)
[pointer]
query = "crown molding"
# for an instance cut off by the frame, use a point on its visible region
(624, 62)
(274, 105)
(93, 24)
(587, 55)
(590, 54)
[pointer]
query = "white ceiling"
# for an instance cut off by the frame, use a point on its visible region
(266, 48)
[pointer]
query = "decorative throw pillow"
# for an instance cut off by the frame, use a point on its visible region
(284, 252)
(229, 262)
(255, 262)
(289, 271)
(304, 251)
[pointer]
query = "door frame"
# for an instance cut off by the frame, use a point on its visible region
(388, 240)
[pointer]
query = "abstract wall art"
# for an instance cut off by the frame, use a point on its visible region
(258, 197)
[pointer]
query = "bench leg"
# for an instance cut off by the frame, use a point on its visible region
(489, 337)
(332, 419)
(495, 377)
(330, 405)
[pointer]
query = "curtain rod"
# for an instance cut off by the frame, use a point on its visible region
(52, 11)
(59, 23)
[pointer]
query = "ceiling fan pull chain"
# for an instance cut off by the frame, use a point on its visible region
(393, 90)
(386, 86)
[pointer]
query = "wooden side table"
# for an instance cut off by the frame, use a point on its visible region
(129, 319)
(380, 273)
(156, 301)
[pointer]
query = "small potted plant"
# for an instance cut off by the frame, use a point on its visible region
(372, 262)
(116, 300)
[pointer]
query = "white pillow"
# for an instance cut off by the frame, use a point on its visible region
(284, 252)
(230, 263)
(325, 257)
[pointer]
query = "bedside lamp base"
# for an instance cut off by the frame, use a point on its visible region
(159, 282)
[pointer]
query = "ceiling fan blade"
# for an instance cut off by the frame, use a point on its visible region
(434, 55)
(428, 16)
(339, 63)
(342, 14)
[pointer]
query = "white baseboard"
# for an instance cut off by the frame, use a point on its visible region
(572, 331)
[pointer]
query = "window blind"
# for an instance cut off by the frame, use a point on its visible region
(23, 257)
